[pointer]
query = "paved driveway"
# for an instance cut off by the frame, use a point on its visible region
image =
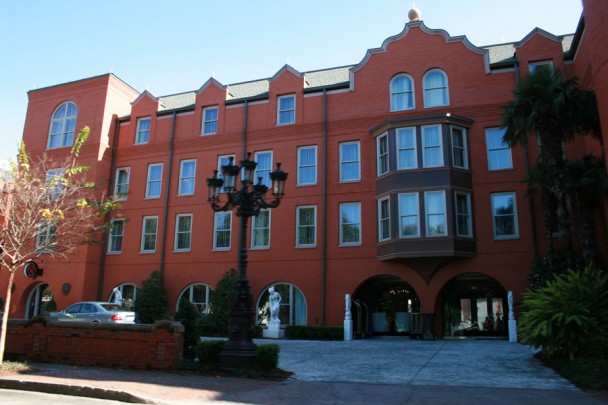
(464, 363)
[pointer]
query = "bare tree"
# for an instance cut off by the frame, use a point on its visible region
(48, 208)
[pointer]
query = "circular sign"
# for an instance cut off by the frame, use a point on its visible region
(31, 270)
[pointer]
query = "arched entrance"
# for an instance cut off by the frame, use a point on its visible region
(385, 305)
(474, 304)
(40, 301)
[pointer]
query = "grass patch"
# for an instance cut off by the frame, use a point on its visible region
(585, 372)
(14, 367)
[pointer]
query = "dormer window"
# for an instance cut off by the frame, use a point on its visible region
(436, 91)
(545, 64)
(143, 130)
(402, 93)
(286, 110)
(63, 125)
(210, 120)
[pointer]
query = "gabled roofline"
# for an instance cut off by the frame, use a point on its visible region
(85, 79)
(285, 68)
(538, 31)
(210, 82)
(146, 93)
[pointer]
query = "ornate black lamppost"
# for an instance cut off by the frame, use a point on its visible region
(248, 201)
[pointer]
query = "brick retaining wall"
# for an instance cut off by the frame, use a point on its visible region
(158, 346)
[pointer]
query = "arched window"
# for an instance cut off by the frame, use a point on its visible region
(128, 295)
(63, 125)
(402, 93)
(436, 91)
(199, 294)
(292, 308)
(39, 300)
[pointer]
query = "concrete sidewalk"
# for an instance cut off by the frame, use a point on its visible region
(384, 370)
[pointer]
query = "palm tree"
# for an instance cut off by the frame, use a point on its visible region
(587, 185)
(555, 109)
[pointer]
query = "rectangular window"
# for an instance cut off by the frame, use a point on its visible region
(143, 130)
(533, 66)
(286, 111)
(409, 223)
(117, 231)
(148, 234)
(121, 183)
(464, 226)
(46, 236)
(306, 234)
(210, 120)
(221, 230)
(406, 149)
(307, 165)
(260, 230)
(382, 154)
(350, 224)
(434, 204)
(350, 168)
(459, 148)
(432, 147)
(54, 184)
(499, 152)
(263, 168)
(183, 232)
(504, 216)
(222, 161)
(154, 182)
(187, 174)
(384, 219)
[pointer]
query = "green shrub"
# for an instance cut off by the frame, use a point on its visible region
(567, 315)
(221, 303)
(314, 332)
(151, 303)
(267, 357)
(208, 353)
(188, 315)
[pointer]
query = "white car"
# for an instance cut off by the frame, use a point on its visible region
(93, 311)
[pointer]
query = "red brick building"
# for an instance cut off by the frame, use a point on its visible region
(400, 190)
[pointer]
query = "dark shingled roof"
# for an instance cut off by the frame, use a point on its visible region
(499, 55)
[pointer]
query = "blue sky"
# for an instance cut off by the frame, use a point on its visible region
(168, 47)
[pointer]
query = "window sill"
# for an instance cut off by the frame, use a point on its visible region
(181, 250)
(306, 246)
(350, 244)
(147, 252)
(113, 253)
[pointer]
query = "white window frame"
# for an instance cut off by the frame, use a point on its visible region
(118, 187)
(467, 215)
(515, 234)
(299, 226)
(491, 132)
(403, 215)
(302, 166)
(384, 222)
(410, 131)
(426, 89)
(357, 224)
(207, 121)
(45, 235)
(204, 308)
(216, 231)
(293, 307)
(183, 178)
(439, 146)
(282, 112)
(463, 149)
(428, 213)
(149, 181)
(264, 173)
(176, 247)
(255, 242)
(54, 184)
(354, 162)
(66, 124)
(395, 94)
(382, 157)
(112, 235)
(139, 133)
(142, 245)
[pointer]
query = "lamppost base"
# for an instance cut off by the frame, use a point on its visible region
(239, 355)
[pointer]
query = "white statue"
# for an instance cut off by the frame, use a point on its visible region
(274, 299)
(117, 296)
(510, 299)
(347, 315)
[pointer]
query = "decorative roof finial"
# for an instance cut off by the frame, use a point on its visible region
(414, 14)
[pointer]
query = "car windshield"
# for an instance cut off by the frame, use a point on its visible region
(110, 307)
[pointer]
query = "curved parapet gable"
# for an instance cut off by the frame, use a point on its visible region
(419, 24)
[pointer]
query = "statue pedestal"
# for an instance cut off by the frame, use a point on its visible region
(273, 333)
(512, 331)
(348, 329)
